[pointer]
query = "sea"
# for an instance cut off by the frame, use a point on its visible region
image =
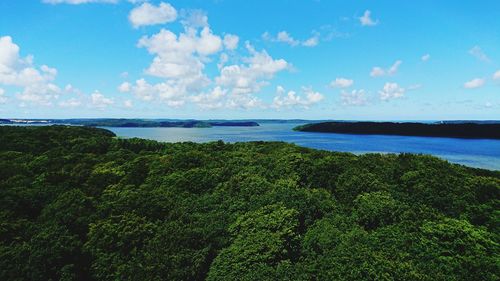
(479, 153)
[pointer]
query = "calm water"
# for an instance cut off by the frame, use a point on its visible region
(475, 153)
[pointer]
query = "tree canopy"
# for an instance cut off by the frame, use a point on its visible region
(79, 203)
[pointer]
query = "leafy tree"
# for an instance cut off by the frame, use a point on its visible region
(264, 240)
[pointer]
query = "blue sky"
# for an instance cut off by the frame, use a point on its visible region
(312, 59)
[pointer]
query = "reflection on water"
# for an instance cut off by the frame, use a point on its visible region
(475, 153)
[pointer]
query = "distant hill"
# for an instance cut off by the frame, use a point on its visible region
(449, 129)
(133, 123)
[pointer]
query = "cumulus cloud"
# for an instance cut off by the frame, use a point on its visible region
(392, 70)
(391, 91)
(181, 59)
(178, 56)
(478, 53)
(312, 41)
(366, 19)
(474, 83)
(425, 57)
(77, 2)
(148, 14)
(244, 102)
(72, 103)
(377, 72)
(194, 18)
(231, 41)
(99, 101)
(124, 87)
(35, 85)
(164, 92)
(3, 99)
(354, 98)
(341, 83)
(36, 82)
(284, 37)
(211, 100)
(287, 38)
(250, 77)
(291, 99)
(128, 104)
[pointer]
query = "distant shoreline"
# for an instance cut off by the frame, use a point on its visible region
(132, 123)
(442, 129)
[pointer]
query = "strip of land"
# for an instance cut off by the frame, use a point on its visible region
(134, 123)
(450, 130)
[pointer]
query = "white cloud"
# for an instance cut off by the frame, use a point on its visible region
(231, 41)
(244, 102)
(312, 96)
(312, 41)
(377, 72)
(366, 19)
(40, 93)
(3, 99)
(250, 77)
(181, 59)
(124, 87)
(496, 75)
(73, 102)
(180, 56)
(287, 38)
(284, 37)
(223, 59)
(77, 2)
(341, 83)
(128, 104)
(36, 83)
(99, 101)
(211, 100)
(474, 83)
(167, 92)
(391, 91)
(392, 70)
(426, 57)
(292, 99)
(194, 18)
(478, 53)
(354, 98)
(148, 14)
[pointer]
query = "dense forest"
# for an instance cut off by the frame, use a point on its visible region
(78, 203)
(456, 129)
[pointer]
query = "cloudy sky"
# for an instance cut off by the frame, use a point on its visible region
(312, 59)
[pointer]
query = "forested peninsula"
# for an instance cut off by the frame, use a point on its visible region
(133, 123)
(78, 203)
(441, 129)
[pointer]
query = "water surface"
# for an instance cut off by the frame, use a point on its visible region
(479, 153)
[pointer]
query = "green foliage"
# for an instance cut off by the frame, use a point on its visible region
(263, 241)
(376, 209)
(78, 203)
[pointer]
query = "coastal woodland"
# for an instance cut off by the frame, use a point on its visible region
(78, 203)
